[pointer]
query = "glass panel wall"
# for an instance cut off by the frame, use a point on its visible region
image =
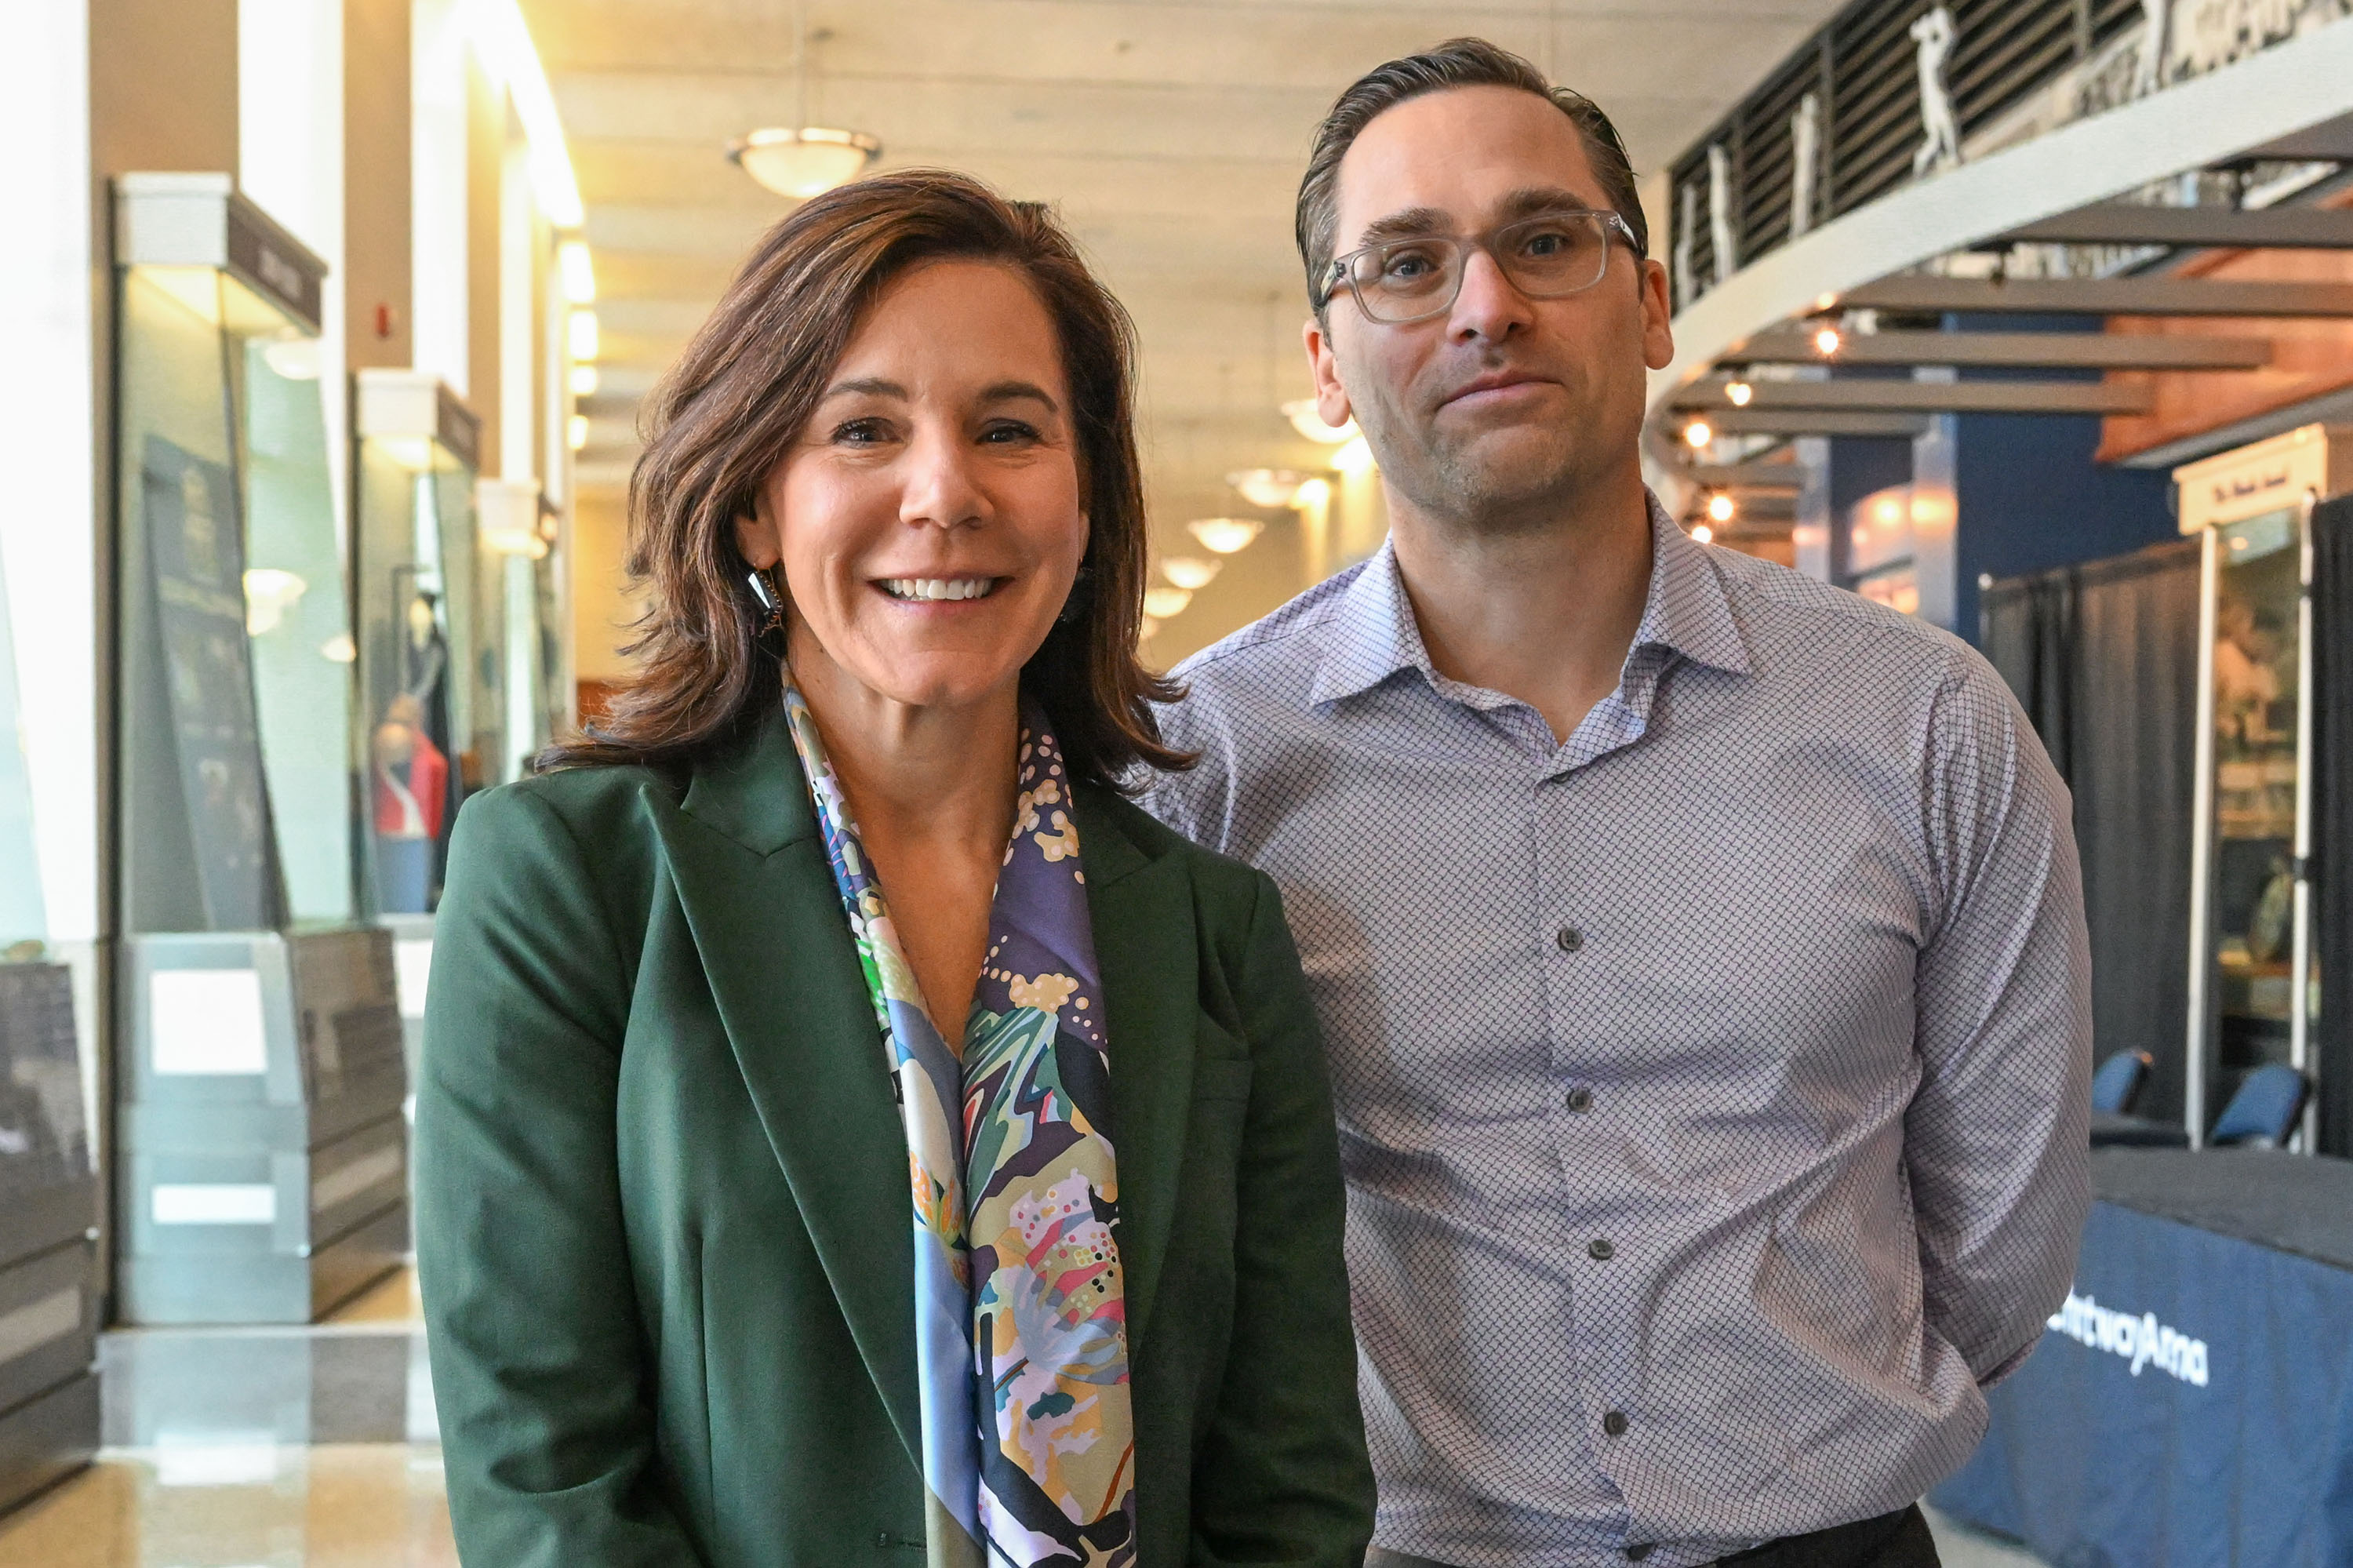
(417, 549)
(2257, 663)
(297, 619)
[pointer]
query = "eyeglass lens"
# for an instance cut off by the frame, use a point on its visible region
(1544, 257)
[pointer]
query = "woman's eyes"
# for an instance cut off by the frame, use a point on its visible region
(860, 433)
(867, 432)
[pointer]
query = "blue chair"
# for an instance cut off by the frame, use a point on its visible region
(2265, 1111)
(2118, 1082)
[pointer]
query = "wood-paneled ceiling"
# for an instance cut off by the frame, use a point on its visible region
(1168, 135)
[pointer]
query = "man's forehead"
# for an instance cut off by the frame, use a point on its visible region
(1466, 151)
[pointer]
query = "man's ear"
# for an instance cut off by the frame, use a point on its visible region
(1331, 397)
(1658, 336)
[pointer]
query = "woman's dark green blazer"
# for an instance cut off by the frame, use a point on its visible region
(663, 1217)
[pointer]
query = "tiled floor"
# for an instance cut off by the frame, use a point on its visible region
(314, 1448)
(258, 1447)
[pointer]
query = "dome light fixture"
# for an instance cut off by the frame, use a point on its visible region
(802, 160)
(805, 161)
(1225, 535)
(1165, 603)
(1190, 573)
(1268, 487)
(1308, 420)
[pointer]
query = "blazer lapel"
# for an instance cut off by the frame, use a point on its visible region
(1141, 911)
(759, 897)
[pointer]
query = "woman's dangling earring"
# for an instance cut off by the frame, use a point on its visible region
(771, 595)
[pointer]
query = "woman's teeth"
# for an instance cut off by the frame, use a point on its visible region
(938, 588)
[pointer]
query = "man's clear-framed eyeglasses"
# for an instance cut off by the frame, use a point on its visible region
(1415, 278)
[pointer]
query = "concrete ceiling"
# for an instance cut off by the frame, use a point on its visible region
(1168, 135)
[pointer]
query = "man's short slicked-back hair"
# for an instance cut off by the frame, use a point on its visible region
(1458, 62)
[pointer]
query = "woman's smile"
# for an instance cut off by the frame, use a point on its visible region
(931, 591)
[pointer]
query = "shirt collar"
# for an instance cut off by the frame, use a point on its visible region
(1685, 611)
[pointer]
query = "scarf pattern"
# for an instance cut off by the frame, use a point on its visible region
(1020, 1314)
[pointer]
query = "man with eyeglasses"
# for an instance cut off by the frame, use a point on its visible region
(1699, 948)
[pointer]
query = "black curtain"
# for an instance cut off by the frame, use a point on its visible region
(2332, 871)
(2104, 659)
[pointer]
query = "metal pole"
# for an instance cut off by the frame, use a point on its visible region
(2201, 851)
(2299, 1025)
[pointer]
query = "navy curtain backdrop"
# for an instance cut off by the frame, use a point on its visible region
(2104, 659)
(2332, 667)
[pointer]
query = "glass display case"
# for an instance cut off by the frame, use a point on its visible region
(416, 551)
(239, 839)
(23, 917)
(2253, 977)
(238, 749)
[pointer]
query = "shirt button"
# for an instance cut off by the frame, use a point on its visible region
(1614, 1423)
(1569, 938)
(1636, 1553)
(1580, 1100)
(1600, 1249)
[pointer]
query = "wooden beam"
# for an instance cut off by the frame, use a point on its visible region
(2013, 350)
(2120, 223)
(1707, 398)
(1745, 475)
(1926, 295)
(1813, 422)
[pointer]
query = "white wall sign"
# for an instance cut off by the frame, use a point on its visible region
(207, 1021)
(214, 1203)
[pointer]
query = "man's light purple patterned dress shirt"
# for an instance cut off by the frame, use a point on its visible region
(1712, 1085)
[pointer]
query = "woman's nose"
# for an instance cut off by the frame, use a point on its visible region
(942, 488)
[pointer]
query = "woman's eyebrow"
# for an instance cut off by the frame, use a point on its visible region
(871, 386)
(1004, 391)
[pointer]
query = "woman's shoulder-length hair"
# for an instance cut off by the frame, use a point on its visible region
(728, 411)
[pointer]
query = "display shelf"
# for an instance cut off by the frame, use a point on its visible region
(263, 1171)
(48, 1211)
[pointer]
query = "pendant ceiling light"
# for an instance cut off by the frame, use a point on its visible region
(804, 160)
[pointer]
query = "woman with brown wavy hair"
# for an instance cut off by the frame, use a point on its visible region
(849, 1128)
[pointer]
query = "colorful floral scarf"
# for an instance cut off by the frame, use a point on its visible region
(1020, 1310)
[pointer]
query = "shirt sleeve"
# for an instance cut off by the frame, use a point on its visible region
(1997, 1141)
(1195, 802)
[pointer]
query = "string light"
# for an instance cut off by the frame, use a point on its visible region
(1703, 533)
(1720, 508)
(1739, 392)
(1826, 340)
(1698, 433)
